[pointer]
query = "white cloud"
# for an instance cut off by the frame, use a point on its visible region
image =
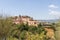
(55, 13)
(52, 12)
(52, 6)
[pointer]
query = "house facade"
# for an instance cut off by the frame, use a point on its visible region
(25, 19)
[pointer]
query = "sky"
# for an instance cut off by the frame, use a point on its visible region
(38, 9)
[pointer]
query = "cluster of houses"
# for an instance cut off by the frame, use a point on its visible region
(25, 19)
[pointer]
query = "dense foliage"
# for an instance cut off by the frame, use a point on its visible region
(57, 32)
(10, 31)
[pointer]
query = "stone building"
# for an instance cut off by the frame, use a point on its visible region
(25, 19)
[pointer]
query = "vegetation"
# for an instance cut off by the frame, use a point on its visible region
(10, 31)
(57, 32)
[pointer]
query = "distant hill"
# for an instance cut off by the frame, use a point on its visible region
(54, 20)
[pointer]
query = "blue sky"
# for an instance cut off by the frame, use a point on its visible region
(38, 9)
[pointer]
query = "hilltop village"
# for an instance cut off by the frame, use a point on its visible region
(25, 19)
(31, 22)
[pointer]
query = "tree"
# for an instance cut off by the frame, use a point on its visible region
(57, 32)
(33, 29)
(5, 27)
(40, 28)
